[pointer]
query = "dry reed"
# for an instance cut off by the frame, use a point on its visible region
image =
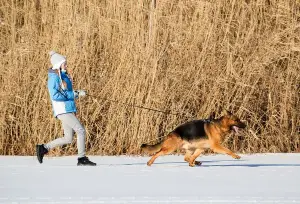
(188, 56)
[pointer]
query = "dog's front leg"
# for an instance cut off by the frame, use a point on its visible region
(187, 156)
(223, 150)
(196, 154)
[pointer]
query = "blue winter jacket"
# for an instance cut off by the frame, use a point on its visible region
(62, 100)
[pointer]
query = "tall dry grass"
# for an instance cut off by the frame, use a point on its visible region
(186, 56)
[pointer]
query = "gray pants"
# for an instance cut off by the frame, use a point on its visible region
(70, 124)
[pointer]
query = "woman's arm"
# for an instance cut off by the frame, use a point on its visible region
(56, 93)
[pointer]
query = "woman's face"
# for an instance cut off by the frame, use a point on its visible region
(64, 66)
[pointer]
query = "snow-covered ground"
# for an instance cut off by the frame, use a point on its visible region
(259, 178)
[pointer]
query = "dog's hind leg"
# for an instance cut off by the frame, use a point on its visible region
(169, 145)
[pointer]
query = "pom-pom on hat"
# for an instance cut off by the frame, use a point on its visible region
(56, 59)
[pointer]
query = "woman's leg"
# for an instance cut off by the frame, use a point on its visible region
(70, 123)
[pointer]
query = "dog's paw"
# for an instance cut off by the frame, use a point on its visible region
(198, 163)
(236, 156)
(191, 164)
(149, 163)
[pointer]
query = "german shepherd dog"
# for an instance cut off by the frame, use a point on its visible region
(196, 136)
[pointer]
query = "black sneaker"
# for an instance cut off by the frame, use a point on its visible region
(40, 152)
(84, 161)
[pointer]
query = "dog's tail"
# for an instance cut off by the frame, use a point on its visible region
(150, 149)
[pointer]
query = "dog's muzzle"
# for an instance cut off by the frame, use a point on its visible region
(236, 127)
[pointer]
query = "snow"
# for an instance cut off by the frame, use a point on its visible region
(257, 178)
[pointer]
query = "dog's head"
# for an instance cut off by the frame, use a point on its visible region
(232, 122)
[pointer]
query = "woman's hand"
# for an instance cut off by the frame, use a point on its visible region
(79, 93)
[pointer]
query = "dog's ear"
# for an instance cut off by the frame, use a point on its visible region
(212, 116)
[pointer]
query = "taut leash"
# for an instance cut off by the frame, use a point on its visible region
(141, 107)
(136, 106)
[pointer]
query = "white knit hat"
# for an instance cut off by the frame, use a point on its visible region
(56, 59)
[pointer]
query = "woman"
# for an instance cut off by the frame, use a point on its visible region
(64, 108)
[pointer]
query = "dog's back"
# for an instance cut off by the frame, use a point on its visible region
(193, 130)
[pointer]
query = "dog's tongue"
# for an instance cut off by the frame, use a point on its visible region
(235, 128)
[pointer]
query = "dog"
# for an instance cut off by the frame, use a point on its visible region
(195, 136)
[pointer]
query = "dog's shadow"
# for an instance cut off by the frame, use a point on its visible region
(205, 164)
(183, 163)
(250, 165)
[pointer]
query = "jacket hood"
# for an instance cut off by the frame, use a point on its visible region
(50, 70)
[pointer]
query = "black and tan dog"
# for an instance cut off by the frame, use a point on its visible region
(196, 136)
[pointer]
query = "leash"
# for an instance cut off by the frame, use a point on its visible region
(136, 106)
(141, 107)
